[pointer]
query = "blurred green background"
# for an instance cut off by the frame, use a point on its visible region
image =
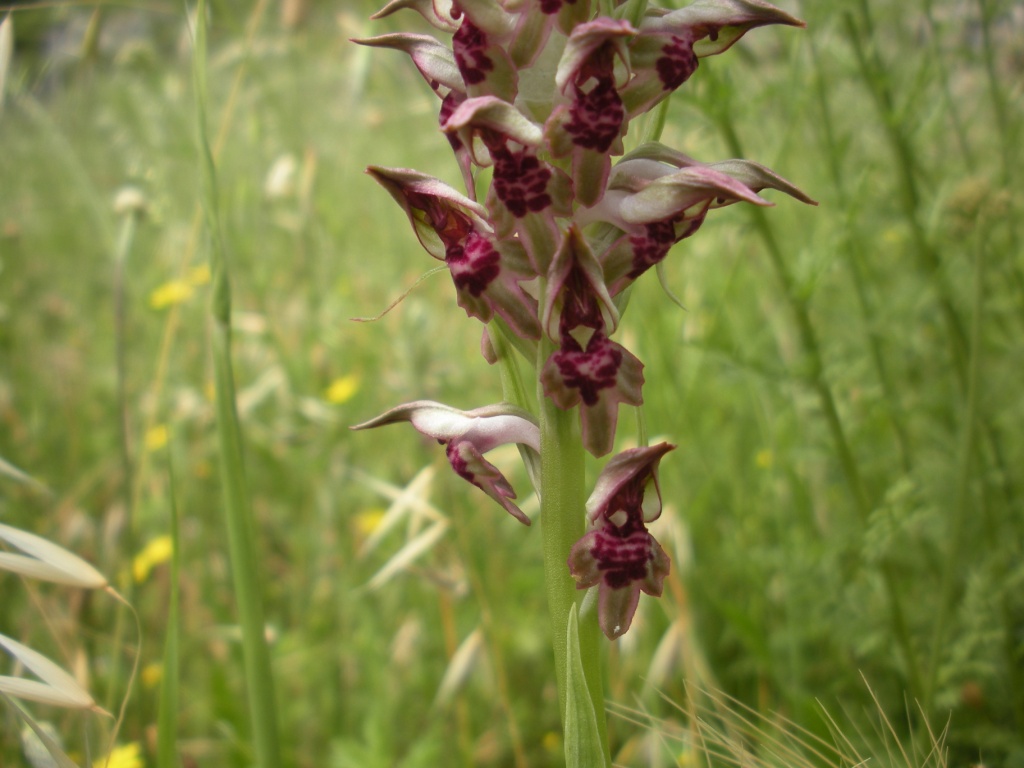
(844, 511)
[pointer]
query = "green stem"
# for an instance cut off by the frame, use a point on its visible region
(562, 518)
(237, 503)
(964, 479)
(128, 545)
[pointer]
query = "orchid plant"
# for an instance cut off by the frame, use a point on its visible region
(543, 244)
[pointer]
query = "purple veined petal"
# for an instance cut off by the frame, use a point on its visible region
(662, 60)
(617, 605)
(435, 62)
(622, 564)
(645, 243)
(487, 276)
(521, 180)
(526, 193)
(576, 293)
(437, 12)
(482, 60)
(525, 197)
(537, 230)
(469, 464)
(597, 375)
(645, 246)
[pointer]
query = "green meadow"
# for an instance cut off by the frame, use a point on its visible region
(845, 384)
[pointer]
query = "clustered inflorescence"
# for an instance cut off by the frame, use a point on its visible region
(542, 93)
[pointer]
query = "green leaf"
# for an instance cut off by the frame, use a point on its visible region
(583, 747)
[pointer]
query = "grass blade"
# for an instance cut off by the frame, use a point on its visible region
(167, 717)
(237, 503)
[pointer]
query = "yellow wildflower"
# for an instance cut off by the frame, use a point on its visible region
(170, 293)
(126, 756)
(342, 389)
(366, 522)
(157, 551)
(156, 437)
(152, 674)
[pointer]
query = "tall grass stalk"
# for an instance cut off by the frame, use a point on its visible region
(237, 504)
(813, 372)
(854, 258)
(167, 715)
(965, 467)
(129, 222)
(173, 322)
(125, 239)
(907, 164)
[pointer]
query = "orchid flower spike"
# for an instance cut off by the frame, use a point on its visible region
(618, 554)
(467, 436)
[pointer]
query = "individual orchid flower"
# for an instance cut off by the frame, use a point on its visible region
(454, 229)
(666, 51)
(590, 125)
(618, 554)
(467, 436)
(526, 193)
(588, 369)
(658, 197)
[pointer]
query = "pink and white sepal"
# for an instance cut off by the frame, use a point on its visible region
(467, 436)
